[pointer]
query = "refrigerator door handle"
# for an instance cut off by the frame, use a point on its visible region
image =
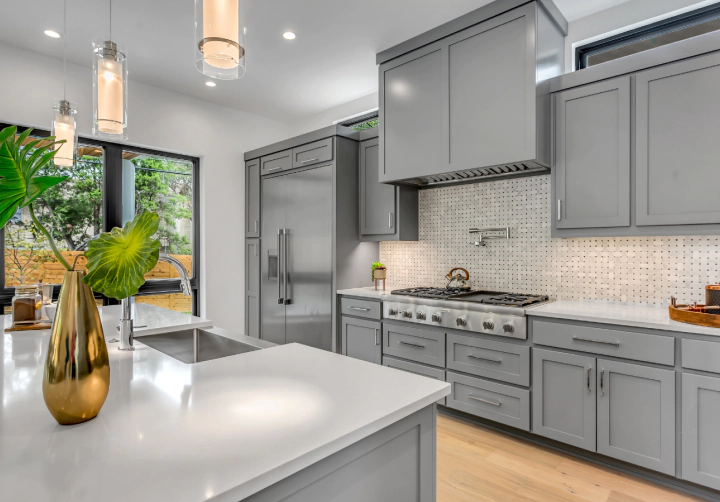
(287, 298)
(280, 299)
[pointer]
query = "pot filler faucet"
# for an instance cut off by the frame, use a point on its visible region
(126, 322)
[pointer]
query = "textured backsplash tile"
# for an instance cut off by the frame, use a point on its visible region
(635, 269)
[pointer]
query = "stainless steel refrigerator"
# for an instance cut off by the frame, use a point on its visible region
(297, 267)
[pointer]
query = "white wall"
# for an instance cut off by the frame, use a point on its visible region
(167, 121)
(327, 117)
(620, 17)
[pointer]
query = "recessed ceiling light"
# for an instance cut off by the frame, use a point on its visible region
(210, 84)
(52, 33)
(289, 35)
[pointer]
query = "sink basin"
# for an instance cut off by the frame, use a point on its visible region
(195, 345)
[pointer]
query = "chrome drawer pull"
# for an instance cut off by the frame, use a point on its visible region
(359, 308)
(489, 359)
(588, 381)
(616, 344)
(376, 336)
(494, 403)
(308, 160)
(273, 169)
(413, 344)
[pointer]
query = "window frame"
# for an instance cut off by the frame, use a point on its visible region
(112, 216)
(667, 25)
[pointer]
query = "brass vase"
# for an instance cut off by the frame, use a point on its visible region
(77, 370)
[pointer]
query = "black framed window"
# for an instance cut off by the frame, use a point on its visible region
(110, 184)
(670, 30)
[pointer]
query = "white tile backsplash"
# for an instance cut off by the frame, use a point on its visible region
(632, 269)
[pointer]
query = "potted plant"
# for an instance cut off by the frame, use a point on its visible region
(379, 271)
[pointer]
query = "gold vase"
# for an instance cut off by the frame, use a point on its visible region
(77, 370)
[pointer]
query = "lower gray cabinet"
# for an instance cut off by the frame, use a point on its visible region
(361, 339)
(636, 414)
(564, 397)
(252, 287)
(700, 439)
(416, 368)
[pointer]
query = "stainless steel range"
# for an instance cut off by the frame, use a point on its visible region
(488, 312)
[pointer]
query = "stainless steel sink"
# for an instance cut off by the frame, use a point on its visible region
(195, 345)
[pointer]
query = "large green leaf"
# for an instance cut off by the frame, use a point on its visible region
(118, 260)
(18, 184)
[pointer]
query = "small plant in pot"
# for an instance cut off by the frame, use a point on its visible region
(77, 370)
(379, 271)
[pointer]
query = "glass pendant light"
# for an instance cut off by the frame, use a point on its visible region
(64, 111)
(220, 38)
(109, 87)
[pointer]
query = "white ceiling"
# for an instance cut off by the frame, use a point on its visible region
(331, 62)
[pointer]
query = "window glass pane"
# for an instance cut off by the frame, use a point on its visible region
(165, 186)
(175, 301)
(71, 212)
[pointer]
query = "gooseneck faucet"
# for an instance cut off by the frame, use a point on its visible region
(126, 321)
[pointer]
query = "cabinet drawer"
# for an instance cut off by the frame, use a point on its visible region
(501, 361)
(415, 344)
(700, 355)
(418, 369)
(307, 155)
(276, 162)
(607, 341)
(360, 308)
(490, 400)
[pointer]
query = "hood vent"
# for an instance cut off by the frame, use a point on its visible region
(478, 175)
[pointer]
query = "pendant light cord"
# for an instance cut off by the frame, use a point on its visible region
(65, 50)
(111, 20)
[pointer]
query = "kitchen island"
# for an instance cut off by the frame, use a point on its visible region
(282, 423)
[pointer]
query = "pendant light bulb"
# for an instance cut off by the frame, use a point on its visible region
(64, 127)
(220, 38)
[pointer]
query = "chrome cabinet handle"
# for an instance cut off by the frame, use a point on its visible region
(273, 169)
(280, 299)
(559, 210)
(487, 401)
(376, 336)
(256, 226)
(309, 160)
(359, 308)
(588, 379)
(489, 359)
(286, 251)
(412, 344)
(390, 220)
(602, 385)
(589, 340)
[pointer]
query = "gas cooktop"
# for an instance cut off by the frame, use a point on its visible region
(473, 296)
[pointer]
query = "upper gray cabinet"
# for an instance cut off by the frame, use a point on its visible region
(252, 198)
(465, 106)
(387, 212)
(677, 143)
(592, 166)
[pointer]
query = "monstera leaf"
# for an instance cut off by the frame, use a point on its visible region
(19, 185)
(118, 260)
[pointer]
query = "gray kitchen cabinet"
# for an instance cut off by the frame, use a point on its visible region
(591, 177)
(563, 395)
(636, 414)
(387, 212)
(677, 109)
(252, 198)
(252, 287)
(700, 439)
(361, 339)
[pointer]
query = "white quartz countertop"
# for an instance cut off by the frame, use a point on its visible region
(623, 314)
(148, 320)
(215, 430)
(370, 292)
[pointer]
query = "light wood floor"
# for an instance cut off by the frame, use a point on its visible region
(478, 464)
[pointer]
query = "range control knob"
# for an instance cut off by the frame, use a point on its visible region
(436, 318)
(508, 327)
(392, 311)
(488, 325)
(420, 315)
(407, 313)
(461, 321)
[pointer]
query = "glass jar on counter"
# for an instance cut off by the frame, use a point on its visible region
(26, 304)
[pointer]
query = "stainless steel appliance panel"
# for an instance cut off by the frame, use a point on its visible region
(274, 196)
(307, 251)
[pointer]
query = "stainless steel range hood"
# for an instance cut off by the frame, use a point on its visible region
(478, 175)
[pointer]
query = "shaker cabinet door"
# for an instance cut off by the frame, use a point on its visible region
(636, 414)
(362, 339)
(677, 147)
(377, 200)
(252, 288)
(700, 439)
(252, 198)
(564, 397)
(592, 168)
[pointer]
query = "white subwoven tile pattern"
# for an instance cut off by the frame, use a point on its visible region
(637, 269)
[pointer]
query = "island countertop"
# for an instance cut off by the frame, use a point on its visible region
(215, 430)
